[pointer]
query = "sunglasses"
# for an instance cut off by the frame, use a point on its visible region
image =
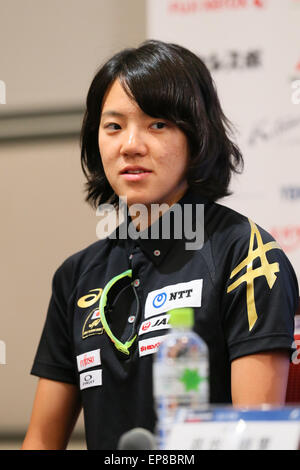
(120, 290)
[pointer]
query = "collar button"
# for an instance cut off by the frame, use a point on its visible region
(156, 253)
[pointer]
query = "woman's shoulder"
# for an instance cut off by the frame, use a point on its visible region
(78, 263)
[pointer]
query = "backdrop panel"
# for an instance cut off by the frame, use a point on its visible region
(252, 48)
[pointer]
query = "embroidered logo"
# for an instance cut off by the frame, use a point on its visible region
(90, 299)
(92, 324)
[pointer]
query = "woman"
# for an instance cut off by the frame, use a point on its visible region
(154, 133)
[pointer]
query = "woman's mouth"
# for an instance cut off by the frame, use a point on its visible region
(135, 174)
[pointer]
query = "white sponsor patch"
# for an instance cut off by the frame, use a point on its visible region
(88, 359)
(90, 379)
(184, 294)
(153, 324)
(150, 345)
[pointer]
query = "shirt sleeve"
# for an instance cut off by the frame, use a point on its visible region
(261, 296)
(54, 356)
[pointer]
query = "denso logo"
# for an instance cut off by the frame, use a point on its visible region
(150, 345)
(194, 6)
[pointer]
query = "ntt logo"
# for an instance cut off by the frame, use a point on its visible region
(159, 300)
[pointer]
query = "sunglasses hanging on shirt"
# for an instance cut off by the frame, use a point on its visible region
(118, 298)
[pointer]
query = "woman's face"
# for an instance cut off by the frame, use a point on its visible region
(144, 158)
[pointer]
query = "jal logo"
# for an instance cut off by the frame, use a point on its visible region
(145, 327)
(157, 323)
(159, 300)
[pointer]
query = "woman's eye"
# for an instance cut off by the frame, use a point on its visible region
(159, 125)
(112, 126)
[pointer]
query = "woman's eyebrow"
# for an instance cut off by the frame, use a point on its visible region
(112, 113)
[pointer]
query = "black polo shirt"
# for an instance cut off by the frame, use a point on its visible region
(242, 287)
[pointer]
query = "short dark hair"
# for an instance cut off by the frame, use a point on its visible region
(166, 81)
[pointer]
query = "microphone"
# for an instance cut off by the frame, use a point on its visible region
(137, 439)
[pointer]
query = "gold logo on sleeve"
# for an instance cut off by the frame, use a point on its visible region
(266, 269)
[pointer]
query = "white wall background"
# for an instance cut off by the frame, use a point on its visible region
(49, 53)
(252, 48)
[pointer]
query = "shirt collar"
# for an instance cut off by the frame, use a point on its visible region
(157, 248)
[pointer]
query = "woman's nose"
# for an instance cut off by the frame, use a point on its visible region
(133, 143)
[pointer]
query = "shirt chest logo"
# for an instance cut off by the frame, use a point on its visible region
(89, 299)
(150, 345)
(90, 379)
(88, 359)
(154, 324)
(92, 324)
(184, 294)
